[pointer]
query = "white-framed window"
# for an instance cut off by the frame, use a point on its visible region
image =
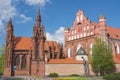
(84, 34)
(72, 32)
(78, 19)
(117, 48)
(69, 53)
(78, 47)
(81, 17)
(78, 36)
(81, 35)
(91, 33)
(75, 32)
(84, 29)
(91, 47)
(88, 34)
(69, 38)
(87, 27)
(74, 36)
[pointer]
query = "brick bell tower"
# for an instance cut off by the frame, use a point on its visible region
(8, 69)
(38, 40)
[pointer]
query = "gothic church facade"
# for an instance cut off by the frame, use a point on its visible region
(26, 56)
(38, 57)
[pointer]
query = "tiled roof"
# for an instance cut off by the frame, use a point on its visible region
(64, 61)
(25, 43)
(22, 43)
(113, 32)
(51, 44)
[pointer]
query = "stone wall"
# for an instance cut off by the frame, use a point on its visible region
(117, 67)
(66, 69)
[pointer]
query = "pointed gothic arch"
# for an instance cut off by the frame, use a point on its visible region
(117, 49)
(91, 47)
(69, 52)
(78, 47)
(17, 60)
(23, 65)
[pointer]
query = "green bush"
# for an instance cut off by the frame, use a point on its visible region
(18, 79)
(74, 75)
(53, 75)
(114, 76)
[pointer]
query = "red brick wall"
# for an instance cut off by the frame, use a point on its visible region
(37, 68)
(65, 69)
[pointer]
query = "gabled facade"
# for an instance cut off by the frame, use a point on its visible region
(36, 56)
(27, 56)
(83, 32)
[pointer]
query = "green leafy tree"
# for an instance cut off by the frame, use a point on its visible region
(101, 59)
(2, 51)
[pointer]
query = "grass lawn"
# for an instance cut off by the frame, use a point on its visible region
(70, 78)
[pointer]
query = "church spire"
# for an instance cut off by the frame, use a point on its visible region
(38, 18)
(9, 25)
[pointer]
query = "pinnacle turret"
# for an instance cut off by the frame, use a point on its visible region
(38, 19)
(9, 25)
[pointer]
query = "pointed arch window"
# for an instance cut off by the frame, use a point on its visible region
(78, 47)
(117, 48)
(17, 61)
(91, 47)
(23, 66)
(69, 53)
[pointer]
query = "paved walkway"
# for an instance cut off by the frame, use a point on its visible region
(95, 78)
(47, 78)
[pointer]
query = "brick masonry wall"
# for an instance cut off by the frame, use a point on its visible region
(117, 67)
(66, 69)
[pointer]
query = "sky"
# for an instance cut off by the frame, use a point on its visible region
(55, 14)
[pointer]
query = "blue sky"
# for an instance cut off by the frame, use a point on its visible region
(56, 14)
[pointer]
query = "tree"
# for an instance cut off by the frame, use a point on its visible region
(101, 59)
(2, 51)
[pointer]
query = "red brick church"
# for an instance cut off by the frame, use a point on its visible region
(26, 56)
(38, 57)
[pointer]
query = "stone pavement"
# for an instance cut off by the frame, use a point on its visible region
(46, 78)
(95, 78)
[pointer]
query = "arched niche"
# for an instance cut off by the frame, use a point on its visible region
(69, 52)
(78, 47)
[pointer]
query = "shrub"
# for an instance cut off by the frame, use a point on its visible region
(53, 75)
(18, 79)
(74, 75)
(114, 76)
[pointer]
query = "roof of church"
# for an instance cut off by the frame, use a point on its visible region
(22, 43)
(113, 32)
(25, 43)
(64, 61)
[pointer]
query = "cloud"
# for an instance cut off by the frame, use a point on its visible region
(37, 2)
(6, 9)
(57, 36)
(24, 18)
(1, 27)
